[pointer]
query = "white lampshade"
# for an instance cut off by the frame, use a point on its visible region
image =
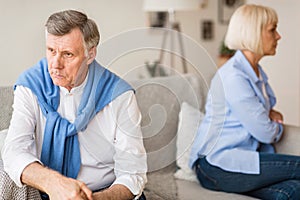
(175, 5)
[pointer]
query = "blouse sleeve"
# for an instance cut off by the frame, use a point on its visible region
(246, 106)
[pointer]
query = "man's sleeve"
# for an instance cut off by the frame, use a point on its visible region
(130, 158)
(19, 149)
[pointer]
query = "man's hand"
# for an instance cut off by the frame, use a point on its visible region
(276, 116)
(115, 192)
(57, 186)
(68, 188)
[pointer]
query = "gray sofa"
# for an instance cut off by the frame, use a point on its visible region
(160, 101)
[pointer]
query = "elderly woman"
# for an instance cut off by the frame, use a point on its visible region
(233, 150)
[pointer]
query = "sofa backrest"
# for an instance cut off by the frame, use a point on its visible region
(159, 100)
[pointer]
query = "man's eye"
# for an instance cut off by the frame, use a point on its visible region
(51, 50)
(68, 55)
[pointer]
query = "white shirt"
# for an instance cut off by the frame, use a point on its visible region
(264, 91)
(111, 147)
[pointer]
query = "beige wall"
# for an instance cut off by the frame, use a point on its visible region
(284, 68)
(22, 27)
(22, 30)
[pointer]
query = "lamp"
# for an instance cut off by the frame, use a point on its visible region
(175, 5)
(170, 7)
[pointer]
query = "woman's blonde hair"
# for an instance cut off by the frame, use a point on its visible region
(246, 25)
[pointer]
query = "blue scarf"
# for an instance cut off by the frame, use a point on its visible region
(60, 150)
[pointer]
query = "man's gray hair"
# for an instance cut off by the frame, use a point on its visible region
(63, 22)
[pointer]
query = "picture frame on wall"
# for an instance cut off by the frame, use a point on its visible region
(226, 9)
(157, 19)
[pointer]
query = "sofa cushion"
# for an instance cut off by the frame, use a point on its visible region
(188, 190)
(161, 185)
(189, 121)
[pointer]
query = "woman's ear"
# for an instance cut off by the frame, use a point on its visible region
(91, 55)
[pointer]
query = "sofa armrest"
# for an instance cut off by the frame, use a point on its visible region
(289, 143)
(6, 101)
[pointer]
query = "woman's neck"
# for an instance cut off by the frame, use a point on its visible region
(253, 60)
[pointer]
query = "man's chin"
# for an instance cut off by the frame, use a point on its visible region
(58, 83)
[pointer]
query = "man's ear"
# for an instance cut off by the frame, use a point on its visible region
(91, 55)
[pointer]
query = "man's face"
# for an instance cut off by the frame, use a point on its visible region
(67, 60)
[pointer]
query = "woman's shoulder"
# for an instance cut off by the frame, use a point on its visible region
(230, 70)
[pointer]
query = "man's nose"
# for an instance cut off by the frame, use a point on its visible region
(56, 62)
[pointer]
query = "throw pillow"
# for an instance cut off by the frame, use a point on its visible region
(189, 121)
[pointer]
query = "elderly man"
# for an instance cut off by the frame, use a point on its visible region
(75, 131)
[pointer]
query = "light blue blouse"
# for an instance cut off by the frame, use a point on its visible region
(236, 125)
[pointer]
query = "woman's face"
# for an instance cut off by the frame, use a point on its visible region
(270, 36)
